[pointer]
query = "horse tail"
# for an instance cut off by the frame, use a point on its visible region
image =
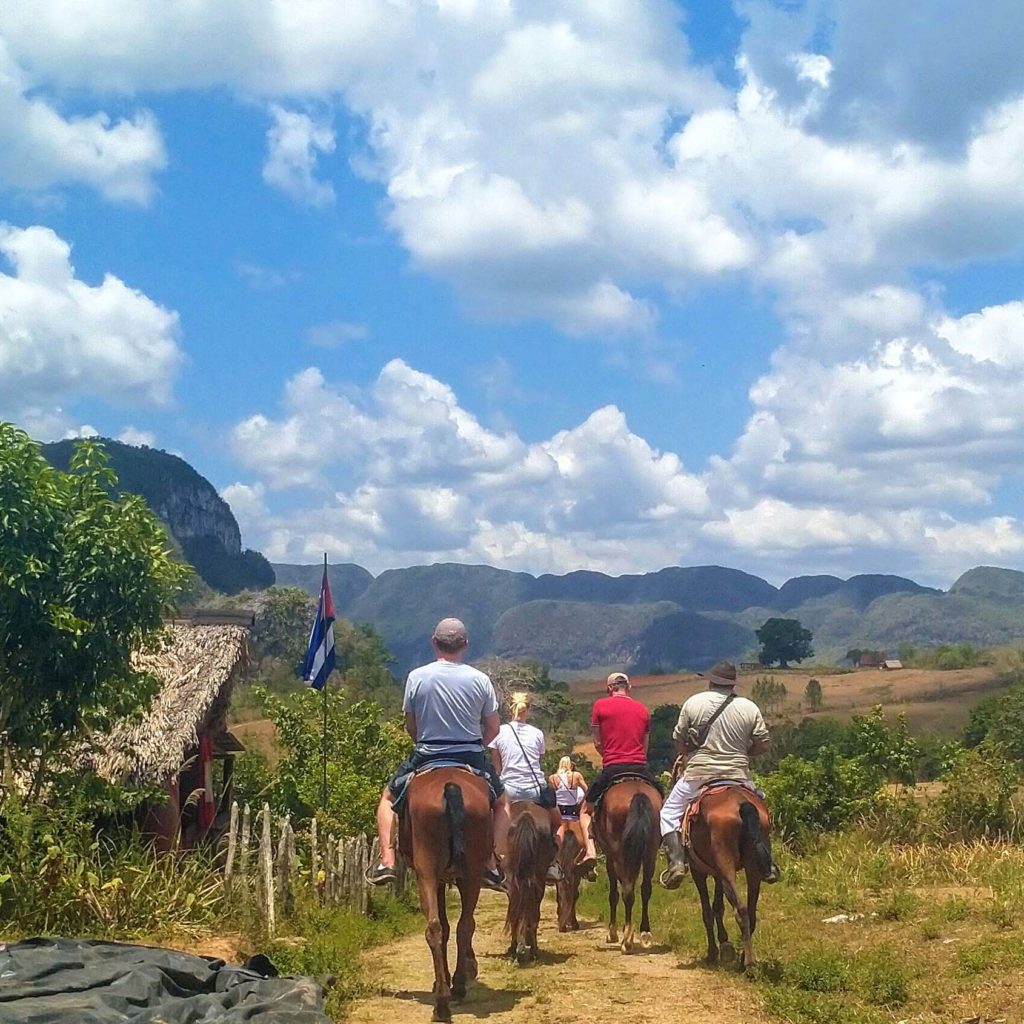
(752, 837)
(455, 811)
(524, 842)
(638, 832)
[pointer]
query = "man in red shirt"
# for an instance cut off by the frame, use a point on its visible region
(621, 727)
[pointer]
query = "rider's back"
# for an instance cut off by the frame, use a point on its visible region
(623, 724)
(725, 753)
(449, 700)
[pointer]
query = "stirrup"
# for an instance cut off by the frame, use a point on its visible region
(494, 879)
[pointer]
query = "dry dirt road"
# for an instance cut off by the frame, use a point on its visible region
(578, 980)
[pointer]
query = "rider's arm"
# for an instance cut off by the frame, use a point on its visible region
(491, 726)
(496, 759)
(595, 733)
(759, 747)
(410, 724)
(581, 783)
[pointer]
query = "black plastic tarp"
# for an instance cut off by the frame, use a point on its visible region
(45, 981)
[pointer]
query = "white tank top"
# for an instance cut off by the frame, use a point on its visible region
(564, 796)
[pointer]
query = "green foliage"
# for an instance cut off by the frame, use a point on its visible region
(813, 694)
(362, 751)
(661, 753)
(282, 625)
(783, 641)
(58, 876)
(819, 970)
(893, 751)
(768, 694)
(85, 578)
(810, 797)
(977, 800)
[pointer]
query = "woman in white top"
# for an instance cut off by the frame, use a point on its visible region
(570, 789)
(517, 750)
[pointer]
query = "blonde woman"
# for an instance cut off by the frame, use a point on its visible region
(570, 788)
(517, 750)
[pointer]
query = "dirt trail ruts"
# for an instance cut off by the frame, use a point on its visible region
(578, 980)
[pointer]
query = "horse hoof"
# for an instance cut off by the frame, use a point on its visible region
(523, 957)
(442, 1014)
(613, 939)
(646, 940)
(712, 958)
(472, 970)
(728, 953)
(626, 947)
(459, 991)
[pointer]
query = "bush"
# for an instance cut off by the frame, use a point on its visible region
(977, 802)
(883, 979)
(821, 970)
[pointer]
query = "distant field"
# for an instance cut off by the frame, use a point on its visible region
(259, 736)
(934, 701)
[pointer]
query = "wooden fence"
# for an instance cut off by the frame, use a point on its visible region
(332, 868)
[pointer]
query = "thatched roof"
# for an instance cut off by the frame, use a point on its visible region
(195, 666)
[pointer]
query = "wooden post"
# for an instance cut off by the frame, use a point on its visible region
(293, 864)
(243, 845)
(284, 882)
(229, 864)
(329, 870)
(267, 873)
(314, 861)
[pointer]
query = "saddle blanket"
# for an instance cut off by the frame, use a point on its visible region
(710, 789)
(400, 787)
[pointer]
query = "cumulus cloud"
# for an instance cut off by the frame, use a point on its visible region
(293, 142)
(413, 471)
(135, 436)
(61, 338)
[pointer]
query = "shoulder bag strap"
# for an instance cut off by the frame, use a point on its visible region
(526, 757)
(705, 729)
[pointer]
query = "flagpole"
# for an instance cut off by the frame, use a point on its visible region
(323, 785)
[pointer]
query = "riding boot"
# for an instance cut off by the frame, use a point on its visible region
(672, 877)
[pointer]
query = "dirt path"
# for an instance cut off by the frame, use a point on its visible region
(579, 980)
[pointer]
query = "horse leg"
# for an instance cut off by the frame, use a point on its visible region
(628, 895)
(742, 916)
(723, 935)
(646, 938)
(465, 963)
(446, 928)
(613, 904)
(435, 940)
(753, 892)
(706, 912)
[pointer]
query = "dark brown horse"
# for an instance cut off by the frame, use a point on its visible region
(729, 833)
(567, 891)
(627, 828)
(531, 849)
(445, 835)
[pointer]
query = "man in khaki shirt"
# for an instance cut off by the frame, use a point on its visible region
(737, 734)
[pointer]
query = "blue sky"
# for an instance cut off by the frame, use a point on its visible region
(544, 285)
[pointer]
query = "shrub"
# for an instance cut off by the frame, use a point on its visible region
(883, 979)
(820, 970)
(977, 800)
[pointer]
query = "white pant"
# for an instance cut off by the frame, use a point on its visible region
(683, 794)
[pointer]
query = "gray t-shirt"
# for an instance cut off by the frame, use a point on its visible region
(450, 701)
(725, 755)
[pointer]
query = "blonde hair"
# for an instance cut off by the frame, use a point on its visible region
(565, 765)
(518, 703)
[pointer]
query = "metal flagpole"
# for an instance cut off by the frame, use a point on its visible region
(323, 786)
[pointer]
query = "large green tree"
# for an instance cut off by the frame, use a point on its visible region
(783, 641)
(85, 579)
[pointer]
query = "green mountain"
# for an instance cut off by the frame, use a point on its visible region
(348, 581)
(989, 582)
(197, 517)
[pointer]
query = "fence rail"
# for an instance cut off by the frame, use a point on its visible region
(333, 868)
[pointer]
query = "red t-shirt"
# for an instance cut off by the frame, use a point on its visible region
(623, 724)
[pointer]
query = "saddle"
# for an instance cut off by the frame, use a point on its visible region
(625, 777)
(708, 789)
(401, 787)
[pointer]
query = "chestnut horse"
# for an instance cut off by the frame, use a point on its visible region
(567, 890)
(728, 833)
(445, 835)
(627, 828)
(531, 849)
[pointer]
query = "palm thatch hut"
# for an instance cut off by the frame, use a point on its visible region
(182, 743)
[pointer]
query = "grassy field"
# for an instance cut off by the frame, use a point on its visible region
(934, 701)
(862, 933)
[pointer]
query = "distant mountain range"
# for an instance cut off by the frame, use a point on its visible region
(680, 617)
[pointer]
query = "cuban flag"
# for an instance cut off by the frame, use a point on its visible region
(319, 663)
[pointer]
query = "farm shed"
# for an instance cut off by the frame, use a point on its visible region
(182, 743)
(870, 659)
(892, 663)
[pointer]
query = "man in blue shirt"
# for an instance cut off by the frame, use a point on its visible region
(451, 712)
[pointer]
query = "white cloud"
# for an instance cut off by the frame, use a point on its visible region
(266, 278)
(293, 142)
(61, 338)
(336, 333)
(132, 435)
(40, 149)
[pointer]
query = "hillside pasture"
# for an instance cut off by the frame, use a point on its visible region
(934, 701)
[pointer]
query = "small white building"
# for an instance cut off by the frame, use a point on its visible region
(891, 663)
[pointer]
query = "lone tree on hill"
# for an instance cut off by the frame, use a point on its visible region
(783, 641)
(85, 579)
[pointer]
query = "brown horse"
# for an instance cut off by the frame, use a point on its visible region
(567, 891)
(445, 835)
(531, 849)
(728, 833)
(627, 828)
